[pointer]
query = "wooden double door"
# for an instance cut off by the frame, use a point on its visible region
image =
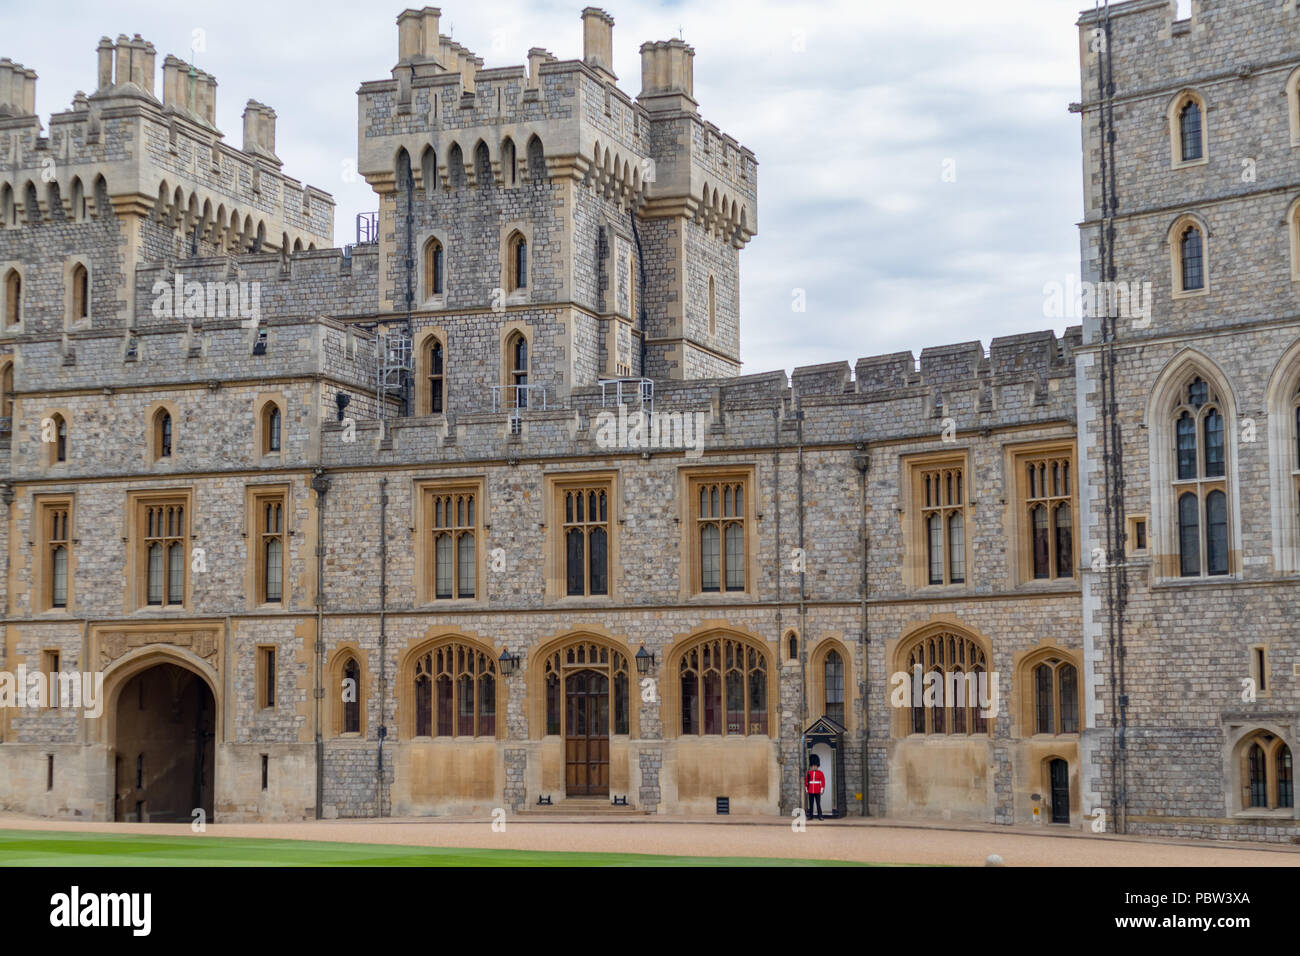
(586, 734)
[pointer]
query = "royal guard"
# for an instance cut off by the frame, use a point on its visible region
(815, 784)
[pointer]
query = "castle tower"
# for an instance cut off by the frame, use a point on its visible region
(1205, 379)
(124, 178)
(542, 206)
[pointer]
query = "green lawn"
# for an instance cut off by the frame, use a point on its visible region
(61, 848)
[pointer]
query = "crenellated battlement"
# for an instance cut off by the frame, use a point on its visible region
(300, 286)
(462, 124)
(1152, 47)
(1023, 381)
(123, 152)
(1031, 355)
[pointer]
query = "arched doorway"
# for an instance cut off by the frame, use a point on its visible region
(164, 755)
(584, 697)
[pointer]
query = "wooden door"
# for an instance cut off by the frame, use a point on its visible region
(586, 734)
(1060, 771)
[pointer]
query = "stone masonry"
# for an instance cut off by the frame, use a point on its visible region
(633, 212)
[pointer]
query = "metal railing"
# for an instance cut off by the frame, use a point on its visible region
(518, 396)
(640, 390)
(367, 227)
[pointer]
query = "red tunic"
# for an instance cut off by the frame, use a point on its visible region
(815, 782)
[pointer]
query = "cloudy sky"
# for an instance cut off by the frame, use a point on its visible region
(919, 172)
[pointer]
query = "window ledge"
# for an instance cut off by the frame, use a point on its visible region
(955, 589)
(726, 597)
(1193, 294)
(1200, 581)
(435, 603)
(1049, 585)
(1260, 813)
(581, 600)
(1189, 163)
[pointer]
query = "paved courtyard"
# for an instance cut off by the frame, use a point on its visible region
(865, 841)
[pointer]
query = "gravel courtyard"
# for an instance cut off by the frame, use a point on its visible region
(865, 841)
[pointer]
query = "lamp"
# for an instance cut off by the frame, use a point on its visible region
(644, 661)
(509, 662)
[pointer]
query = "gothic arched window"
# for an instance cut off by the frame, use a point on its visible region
(947, 684)
(1200, 481)
(724, 688)
(455, 692)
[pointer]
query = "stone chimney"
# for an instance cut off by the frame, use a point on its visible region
(668, 76)
(259, 131)
(17, 89)
(598, 41)
(410, 30)
(536, 57)
(206, 91)
(458, 59)
(122, 71)
(142, 63)
(418, 42)
(105, 51)
(129, 60)
(196, 94)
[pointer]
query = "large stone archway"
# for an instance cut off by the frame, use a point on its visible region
(163, 745)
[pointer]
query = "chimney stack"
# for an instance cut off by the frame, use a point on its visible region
(142, 63)
(122, 69)
(536, 57)
(17, 89)
(196, 95)
(410, 27)
(668, 76)
(259, 131)
(105, 51)
(418, 43)
(129, 60)
(598, 41)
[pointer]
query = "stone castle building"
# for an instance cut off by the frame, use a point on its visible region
(377, 530)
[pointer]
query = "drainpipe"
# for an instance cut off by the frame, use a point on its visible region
(320, 484)
(803, 598)
(408, 397)
(7, 496)
(862, 461)
(640, 299)
(776, 549)
(383, 640)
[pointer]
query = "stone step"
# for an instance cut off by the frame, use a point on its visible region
(581, 806)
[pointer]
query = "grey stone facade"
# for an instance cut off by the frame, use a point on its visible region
(631, 208)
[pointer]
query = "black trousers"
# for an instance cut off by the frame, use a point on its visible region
(815, 799)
